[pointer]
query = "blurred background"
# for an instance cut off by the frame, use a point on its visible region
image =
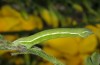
(20, 18)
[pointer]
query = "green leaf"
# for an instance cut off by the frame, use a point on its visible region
(94, 59)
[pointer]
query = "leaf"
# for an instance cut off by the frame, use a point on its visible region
(94, 59)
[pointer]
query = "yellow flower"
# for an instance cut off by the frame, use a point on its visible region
(96, 30)
(9, 11)
(28, 24)
(64, 45)
(88, 45)
(7, 23)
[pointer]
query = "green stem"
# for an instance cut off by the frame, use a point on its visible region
(37, 51)
(42, 54)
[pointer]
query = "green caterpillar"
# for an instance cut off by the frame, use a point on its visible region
(51, 34)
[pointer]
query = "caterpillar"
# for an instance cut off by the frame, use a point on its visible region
(51, 34)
